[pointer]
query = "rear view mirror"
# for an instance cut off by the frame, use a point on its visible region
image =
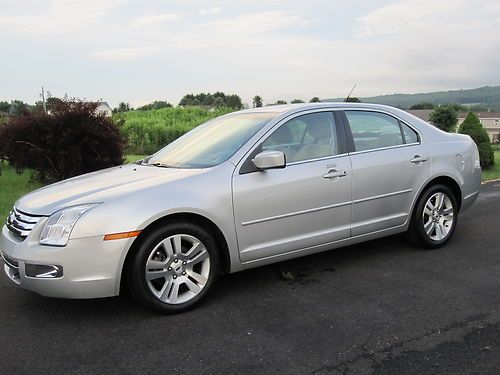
(269, 160)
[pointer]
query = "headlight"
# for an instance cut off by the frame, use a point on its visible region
(60, 224)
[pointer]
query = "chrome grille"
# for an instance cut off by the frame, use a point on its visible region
(21, 223)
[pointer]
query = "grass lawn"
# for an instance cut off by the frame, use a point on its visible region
(13, 185)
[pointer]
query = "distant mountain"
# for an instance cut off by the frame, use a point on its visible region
(488, 96)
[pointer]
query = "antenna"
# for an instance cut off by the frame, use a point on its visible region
(348, 96)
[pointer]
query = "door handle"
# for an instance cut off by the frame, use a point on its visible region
(417, 159)
(333, 173)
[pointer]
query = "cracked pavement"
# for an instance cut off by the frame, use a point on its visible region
(382, 307)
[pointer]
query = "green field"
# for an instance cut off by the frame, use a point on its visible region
(148, 131)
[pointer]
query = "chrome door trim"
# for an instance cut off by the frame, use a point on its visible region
(382, 196)
(385, 148)
(290, 214)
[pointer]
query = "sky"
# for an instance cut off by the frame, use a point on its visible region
(141, 51)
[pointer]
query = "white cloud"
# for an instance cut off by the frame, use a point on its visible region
(151, 20)
(123, 54)
(211, 10)
(61, 16)
(256, 23)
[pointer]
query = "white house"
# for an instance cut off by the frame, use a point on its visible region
(103, 108)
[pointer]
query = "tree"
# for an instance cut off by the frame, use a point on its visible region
(352, 99)
(157, 104)
(314, 100)
(70, 140)
(231, 101)
(4, 106)
(423, 105)
(296, 101)
(234, 101)
(444, 118)
(123, 107)
(473, 128)
(257, 101)
(18, 108)
(278, 102)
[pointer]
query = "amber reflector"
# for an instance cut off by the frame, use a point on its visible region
(119, 236)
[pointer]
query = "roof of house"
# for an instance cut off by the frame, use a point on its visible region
(422, 114)
(492, 115)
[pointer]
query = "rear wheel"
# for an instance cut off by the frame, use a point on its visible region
(174, 267)
(434, 218)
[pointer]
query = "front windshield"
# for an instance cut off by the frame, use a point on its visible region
(212, 142)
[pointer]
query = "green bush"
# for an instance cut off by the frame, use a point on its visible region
(149, 131)
(70, 140)
(444, 118)
(472, 127)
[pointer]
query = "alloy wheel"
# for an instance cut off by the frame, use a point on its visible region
(438, 216)
(177, 269)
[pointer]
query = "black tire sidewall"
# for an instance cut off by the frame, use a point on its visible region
(135, 273)
(417, 225)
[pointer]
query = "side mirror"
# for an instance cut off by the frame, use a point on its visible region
(269, 160)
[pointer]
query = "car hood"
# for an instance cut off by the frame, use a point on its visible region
(98, 187)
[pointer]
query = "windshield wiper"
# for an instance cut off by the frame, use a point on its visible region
(162, 165)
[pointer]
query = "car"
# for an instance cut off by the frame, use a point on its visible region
(243, 190)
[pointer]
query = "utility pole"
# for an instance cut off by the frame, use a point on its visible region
(348, 96)
(43, 101)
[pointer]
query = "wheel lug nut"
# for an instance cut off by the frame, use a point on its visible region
(184, 272)
(175, 276)
(176, 260)
(170, 268)
(184, 263)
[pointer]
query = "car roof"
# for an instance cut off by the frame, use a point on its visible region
(291, 108)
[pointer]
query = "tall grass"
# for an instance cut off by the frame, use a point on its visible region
(148, 131)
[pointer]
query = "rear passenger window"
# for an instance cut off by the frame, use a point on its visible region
(372, 130)
(410, 135)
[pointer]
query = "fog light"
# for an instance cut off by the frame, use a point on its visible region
(43, 271)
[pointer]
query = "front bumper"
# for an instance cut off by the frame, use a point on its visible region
(86, 267)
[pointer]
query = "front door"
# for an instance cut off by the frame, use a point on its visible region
(303, 205)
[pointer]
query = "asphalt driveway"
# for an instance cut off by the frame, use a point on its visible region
(382, 307)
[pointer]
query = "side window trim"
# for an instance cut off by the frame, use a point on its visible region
(248, 167)
(351, 148)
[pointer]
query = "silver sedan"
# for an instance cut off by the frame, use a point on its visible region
(243, 190)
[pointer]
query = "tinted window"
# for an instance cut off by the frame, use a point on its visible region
(305, 137)
(372, 130)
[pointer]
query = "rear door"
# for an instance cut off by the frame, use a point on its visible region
(389, 164)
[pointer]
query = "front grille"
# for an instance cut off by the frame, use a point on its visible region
(21, 223)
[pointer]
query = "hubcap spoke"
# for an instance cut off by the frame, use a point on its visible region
(429, 227)
(154, 275)
(199, 257)
(192, 286)
(200, 279)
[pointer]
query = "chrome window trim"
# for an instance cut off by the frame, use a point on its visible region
(384, 148)
(317, 159)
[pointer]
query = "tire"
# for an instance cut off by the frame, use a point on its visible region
(434, 219)
(174, 267)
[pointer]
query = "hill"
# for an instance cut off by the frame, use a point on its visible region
(488, 96)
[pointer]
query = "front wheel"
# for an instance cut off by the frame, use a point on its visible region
(174, 267)
(434, 218)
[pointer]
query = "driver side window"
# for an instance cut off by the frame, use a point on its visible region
(305, 137)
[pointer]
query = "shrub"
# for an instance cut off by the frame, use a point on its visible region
(472, 127)
(70, 140)
(444, 118)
